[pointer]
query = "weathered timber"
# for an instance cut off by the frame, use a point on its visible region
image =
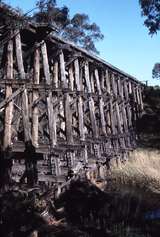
(80, 102)
(9, 107)
(91, 102)
(62, 70)
(80, 118)
(112, 119)
(92, 83)
(35, 111)
(68, 118)
(8, 99)
(51, 114)
(77, 75)
(19, 55)
(108, 85)
(113, 83)
(55, 74)
(101, 104)
(21, 71)
(71, 78)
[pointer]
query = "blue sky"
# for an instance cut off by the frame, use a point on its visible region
(126, 43)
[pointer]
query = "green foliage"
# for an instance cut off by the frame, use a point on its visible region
(156, 71)
(77, 29)
(150, 9)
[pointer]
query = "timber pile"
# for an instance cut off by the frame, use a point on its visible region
(62, 109)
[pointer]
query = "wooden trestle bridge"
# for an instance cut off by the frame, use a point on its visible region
(61, 108)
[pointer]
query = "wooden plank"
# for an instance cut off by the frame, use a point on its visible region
(9, 107)
(35, 96)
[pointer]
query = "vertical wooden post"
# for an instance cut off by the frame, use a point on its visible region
(120, 91)
(52, 116)
(80, 101)
(112, 118)
(102, 80)
(130, 87)
(134, 105)
(71, 78)
(24, 95)
(87, 78)
(113, 82)
(118, 118)
(126, 90)
(9, 106)
(108, 118)
(35, 97)
(91, 102)
(62, 70)
(55, 74)
(101, 103)
(108, 82)
(128, 107)
(81, 118)
(68, 118)
(92, 83)
(77, 75)
(140, 97)
(137, 95)
(19, 54)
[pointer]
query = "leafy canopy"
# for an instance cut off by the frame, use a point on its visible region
(150, 9)
(77, 29)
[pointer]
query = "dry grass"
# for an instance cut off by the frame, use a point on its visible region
(142, 170)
